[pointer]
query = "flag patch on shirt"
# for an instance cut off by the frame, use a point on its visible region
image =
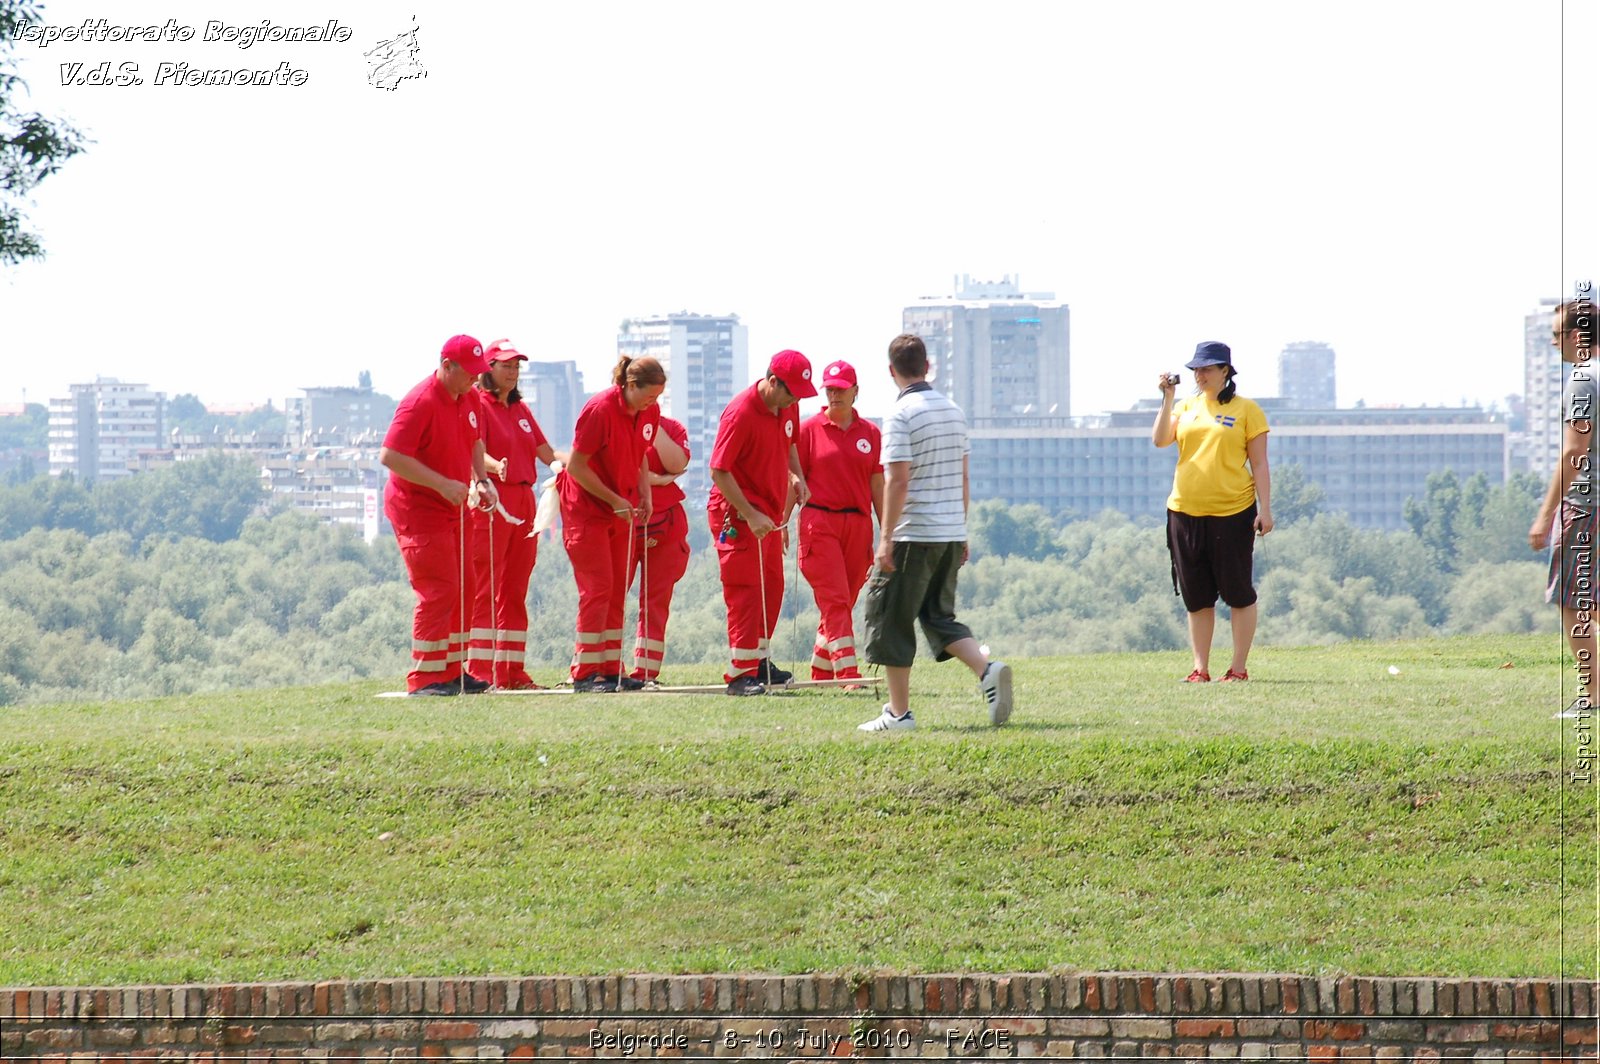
(1226, 420)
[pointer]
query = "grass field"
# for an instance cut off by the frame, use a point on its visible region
(1326, 817)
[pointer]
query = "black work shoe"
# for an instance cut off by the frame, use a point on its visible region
(771, 674)
(595, 685)
(746, 685)
(471, 685)
(435, 690)
(628, 683)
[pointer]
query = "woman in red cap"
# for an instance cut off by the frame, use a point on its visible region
(605, 491)
(839, 453)
(513, 444)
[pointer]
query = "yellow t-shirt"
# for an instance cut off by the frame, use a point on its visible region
(1212, 478)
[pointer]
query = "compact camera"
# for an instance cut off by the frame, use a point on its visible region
(1172, 379)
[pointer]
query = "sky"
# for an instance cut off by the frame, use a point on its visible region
(1397, 180)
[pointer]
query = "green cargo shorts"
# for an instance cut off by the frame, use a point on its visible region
(921, 588)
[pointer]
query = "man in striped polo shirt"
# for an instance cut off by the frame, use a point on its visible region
(923, 543)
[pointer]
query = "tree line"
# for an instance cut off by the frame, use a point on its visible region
(187, 579)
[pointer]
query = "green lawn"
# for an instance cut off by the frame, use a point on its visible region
(1326, 817)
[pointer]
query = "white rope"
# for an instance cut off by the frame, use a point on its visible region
(794, 582)
(461, 585)
(761, 582)
(644, 603)
(628, 568)
(494, 610)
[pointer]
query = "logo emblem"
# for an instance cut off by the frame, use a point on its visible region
(864, 446)
(477, 349)
(805, 374)
(835, 369)
(649, 431)
(525, 426)
(1226, 420)
(472, 418)
(788, 429)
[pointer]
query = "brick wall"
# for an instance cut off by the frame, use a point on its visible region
(1056, 1016)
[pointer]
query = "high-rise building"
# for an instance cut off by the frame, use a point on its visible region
(706, 358)
(1367, 461)
(98, 431)
(338, 415)
(996, 350)
(1306, 376)
(1543, 374)
(554, 392)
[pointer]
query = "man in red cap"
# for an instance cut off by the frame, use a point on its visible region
(839, 456)
(432, 451)
(756, 477)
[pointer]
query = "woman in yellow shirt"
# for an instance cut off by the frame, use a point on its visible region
(1221, 499)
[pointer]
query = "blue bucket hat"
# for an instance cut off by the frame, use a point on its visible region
(1210, 353)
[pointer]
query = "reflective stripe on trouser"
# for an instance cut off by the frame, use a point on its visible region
(835, 660)
(744, 573)
(599, 552)
(514, 555)
(668, 559)
(437, 639)
(835, 557)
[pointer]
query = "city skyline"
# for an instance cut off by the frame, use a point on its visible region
(560, 170)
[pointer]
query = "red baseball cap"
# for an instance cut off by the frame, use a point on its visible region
(503, 351)
(794, 370)
(465, 352)
(839, 374)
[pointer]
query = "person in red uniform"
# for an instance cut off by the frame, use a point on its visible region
(432, 450)
(661, 548)
(513, 444)
(605, 490)
(839, 456)
(756, 477)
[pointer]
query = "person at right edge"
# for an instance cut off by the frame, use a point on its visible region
(1566, 519)
(1221, 500)
(922, 544)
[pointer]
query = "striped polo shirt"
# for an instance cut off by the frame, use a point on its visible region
(926, 429)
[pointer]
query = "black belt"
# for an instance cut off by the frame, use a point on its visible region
(661, 522)
(830, 510)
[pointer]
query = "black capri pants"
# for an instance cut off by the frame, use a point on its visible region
(1211, 557)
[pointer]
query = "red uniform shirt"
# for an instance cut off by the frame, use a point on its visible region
(510, 432)
(615, 439)
(753, 444)
(439, 431)
(664, 497)
(839, 463)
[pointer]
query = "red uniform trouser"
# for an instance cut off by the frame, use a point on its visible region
(498, 641)
(835, 556)
(752, 576)
(598, 547)
(662, 551)
(438, 637)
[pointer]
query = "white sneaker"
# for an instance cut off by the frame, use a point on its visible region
(887, 721)
(996, 688)
(1580, 707)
